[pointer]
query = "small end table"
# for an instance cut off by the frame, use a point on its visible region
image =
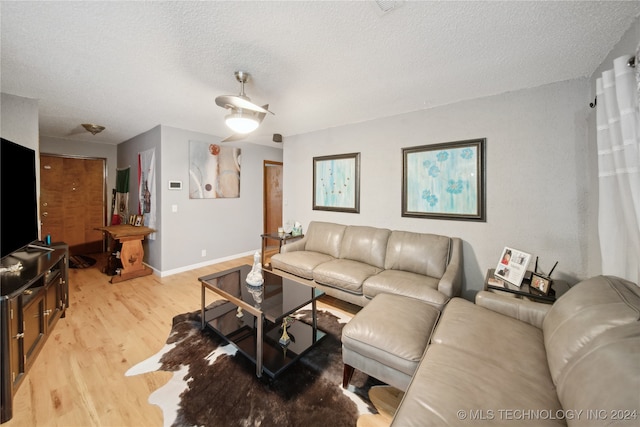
(281, 238)
(558, 287)
(132, 252)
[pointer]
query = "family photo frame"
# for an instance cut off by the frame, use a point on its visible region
(541, 283)
(445, 181)
(512, 266)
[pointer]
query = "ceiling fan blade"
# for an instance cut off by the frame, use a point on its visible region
(261, 116)
(235, 101)
(235, 137)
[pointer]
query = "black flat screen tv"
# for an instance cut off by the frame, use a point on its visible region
(18, 197)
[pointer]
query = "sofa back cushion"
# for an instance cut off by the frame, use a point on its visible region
(589, 309)
(426, 254)
(324, 237)
(604, 379)
(365, 244)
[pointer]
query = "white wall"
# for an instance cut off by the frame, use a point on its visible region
(224, 228)
(536, 169)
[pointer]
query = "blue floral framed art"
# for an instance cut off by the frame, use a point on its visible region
(445, 181)
(336, 183)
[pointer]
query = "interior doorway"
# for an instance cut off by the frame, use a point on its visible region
(73, 201)
(272, 181)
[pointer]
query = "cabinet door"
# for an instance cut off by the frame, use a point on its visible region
(16, 355)
(52, 302)
(33, 321)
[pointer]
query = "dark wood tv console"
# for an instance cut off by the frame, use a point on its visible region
(33, 299)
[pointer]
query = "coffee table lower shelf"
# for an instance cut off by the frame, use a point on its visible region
(240, 331)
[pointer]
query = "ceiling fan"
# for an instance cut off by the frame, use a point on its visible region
(245, 116)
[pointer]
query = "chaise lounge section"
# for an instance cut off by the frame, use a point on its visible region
(505, 361)
(356, 263)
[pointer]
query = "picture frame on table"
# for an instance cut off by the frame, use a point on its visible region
(336, 183)
(132, 219)
(542, 284)
(139, 220)
(512, 266)
(445, 181)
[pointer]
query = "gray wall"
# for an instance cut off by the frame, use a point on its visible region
(128, 157)
(224, 228)
(536, 168)
(19, 120)
(19, 124)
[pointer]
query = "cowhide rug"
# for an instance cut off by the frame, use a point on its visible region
(214, 386)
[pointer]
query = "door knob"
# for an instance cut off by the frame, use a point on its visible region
(45, 213)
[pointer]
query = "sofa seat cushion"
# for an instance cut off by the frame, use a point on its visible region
(451, 383)
(345, 274)
(484, 334)
(405, 283)
(299, 263)
(392, 330)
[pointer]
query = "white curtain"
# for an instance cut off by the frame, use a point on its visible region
(618, 137)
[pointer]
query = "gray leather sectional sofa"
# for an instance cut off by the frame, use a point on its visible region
(500, 361)
(506, 361)
(356, 263)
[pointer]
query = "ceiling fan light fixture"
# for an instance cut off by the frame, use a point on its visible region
(94, 129)
(241, 122)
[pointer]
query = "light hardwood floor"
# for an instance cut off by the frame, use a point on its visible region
(78, 377)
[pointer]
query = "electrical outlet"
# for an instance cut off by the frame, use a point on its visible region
(204, 252)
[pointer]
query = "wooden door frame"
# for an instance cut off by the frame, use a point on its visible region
(104, 185)
(264, 190)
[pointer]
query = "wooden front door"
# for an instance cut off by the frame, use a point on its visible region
(73, 201)
(272, 181)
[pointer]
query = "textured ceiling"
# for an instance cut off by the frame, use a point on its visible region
(130, 65)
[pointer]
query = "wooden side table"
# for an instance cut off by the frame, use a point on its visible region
(131, 253)
(282, 239)
(558, 287)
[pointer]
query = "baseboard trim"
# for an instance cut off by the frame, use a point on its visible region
(203, 264)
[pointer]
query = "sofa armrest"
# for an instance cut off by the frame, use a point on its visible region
(527, 311)
(451, 282)
(296, 245)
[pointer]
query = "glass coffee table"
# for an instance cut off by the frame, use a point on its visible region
(251, 318)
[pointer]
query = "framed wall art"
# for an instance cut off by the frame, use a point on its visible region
(214, 171)
(336, 183)
(445, 181)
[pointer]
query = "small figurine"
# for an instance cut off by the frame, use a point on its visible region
(254, 278)
(285, 339)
